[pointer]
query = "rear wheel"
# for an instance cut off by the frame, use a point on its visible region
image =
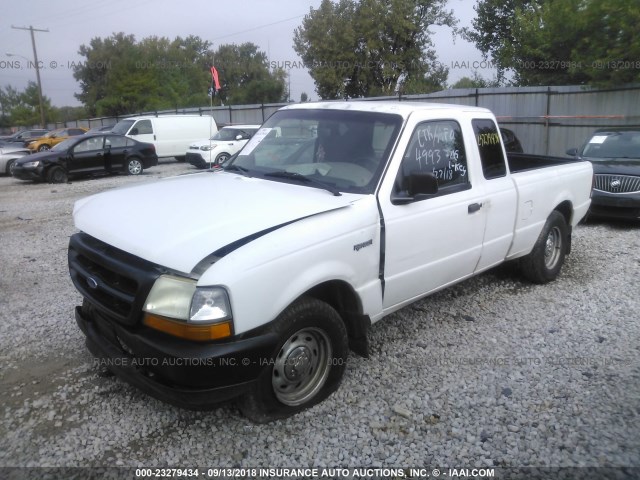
(56, 175)
(134, 166)
(44, 147)
(544, 262)
(307, 366)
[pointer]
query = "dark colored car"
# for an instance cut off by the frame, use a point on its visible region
(87, 155)
(511, 142)
(23, 137)
(103, 129)
(615, 156)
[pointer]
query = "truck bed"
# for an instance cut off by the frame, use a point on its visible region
(520, 162)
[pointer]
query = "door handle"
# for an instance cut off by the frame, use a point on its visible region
(474, 207)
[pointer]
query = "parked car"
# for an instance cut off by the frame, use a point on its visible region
(23, 137)
(221, 146)
(615, 155)
(8, 156)
(87, 155)
(296, 257)
(102, 129)
(511, 142)
(54, 137)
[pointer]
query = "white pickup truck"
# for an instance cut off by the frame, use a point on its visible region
(331, 217)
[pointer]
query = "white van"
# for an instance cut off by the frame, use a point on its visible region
(171, 134)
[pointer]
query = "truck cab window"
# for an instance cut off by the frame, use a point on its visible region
(490, 147)
(436, 147)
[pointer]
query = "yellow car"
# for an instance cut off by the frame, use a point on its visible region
(54, 137)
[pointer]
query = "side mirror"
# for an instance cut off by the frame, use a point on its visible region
(420, 185)
(134, 131)
(239, 137)
(573, 152)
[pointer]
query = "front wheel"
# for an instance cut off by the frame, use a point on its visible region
(134, 166)
(10, 167)
(544, 262)
(307, 365)
(44, 148)
(223, 157)
(57, 175)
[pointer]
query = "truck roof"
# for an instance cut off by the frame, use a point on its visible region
(386, 106)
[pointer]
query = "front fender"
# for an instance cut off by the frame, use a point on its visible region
(268, 274)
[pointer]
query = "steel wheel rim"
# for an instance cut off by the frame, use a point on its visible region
(222, 158)
(135, 167)
(552, 248)
(301, 367)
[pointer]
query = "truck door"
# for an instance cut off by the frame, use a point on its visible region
(501, 198)
(431, 240)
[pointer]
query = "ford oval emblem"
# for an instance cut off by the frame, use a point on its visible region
(92, 282)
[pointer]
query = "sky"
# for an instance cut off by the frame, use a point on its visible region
(267, 23)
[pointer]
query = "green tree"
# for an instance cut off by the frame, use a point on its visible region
(492, 30)
(119, 75)
(560, 42)
(9, 99)
(22, 108)
(372, 47)
(475, 81)
(245, 77)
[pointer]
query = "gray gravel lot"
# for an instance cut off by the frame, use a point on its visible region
(491, 372)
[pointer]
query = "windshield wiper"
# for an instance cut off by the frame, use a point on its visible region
(236, 168)
(302, 178)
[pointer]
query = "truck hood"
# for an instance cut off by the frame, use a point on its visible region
(178, 221)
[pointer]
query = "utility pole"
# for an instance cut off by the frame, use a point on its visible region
(35, 58)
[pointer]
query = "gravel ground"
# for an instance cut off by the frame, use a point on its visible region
(491, 372)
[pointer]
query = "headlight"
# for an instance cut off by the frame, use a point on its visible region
(176, 306)
(33, 164)
(206, 148)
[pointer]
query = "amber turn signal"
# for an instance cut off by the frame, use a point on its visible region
(188, 331)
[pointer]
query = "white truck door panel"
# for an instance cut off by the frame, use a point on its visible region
(501, 198)
(499, 209)
(432, 242)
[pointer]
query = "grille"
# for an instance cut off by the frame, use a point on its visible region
(617, 183)
(116, 282)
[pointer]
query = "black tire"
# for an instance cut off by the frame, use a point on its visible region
(307, 365)
(57, 174)
(223, 157)
(544, 262)
(181, 158)
(133, 166)
(9, 168)
(44, 147)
